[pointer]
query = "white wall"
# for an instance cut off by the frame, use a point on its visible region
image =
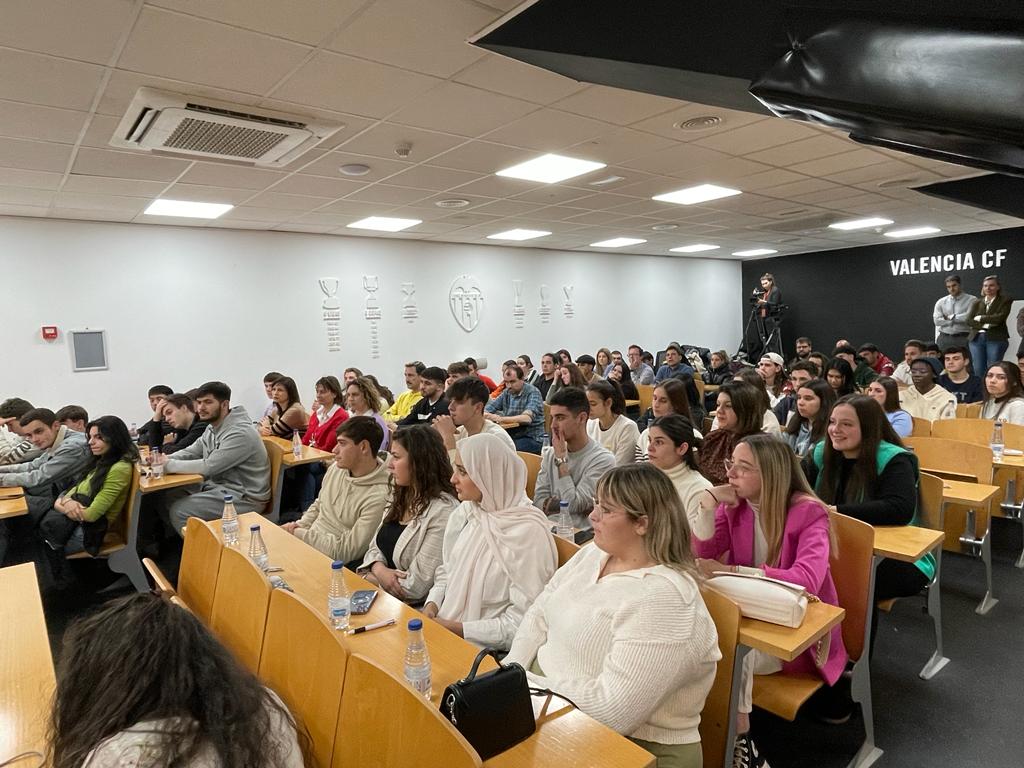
(184, 305)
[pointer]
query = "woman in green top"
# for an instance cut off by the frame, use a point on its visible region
(80, 515)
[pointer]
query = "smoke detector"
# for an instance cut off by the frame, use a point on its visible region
(354, 169)
(454, 202)
(664, 227)
(403, 150)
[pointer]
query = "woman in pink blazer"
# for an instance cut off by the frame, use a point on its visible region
(768, 521)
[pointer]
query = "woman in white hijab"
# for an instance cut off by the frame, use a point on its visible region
(502, 558)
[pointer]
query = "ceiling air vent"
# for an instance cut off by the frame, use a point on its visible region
(172, 124)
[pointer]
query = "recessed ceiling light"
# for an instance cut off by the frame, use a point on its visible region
(187, 209)
(755, 252)
(696, 248)
(912, 232)
(519, 234)
(664, 227)
(354, 169)
(453, 202)
(861, 224)
(606, 180)
(699, 194)
(384, 223)
(550, 169)
(618, 242)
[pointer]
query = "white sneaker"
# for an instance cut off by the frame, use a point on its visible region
(745, 754)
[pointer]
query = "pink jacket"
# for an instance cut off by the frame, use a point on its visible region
(803, 560)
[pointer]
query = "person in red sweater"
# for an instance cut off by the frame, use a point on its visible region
(879, 363)
(473, 371)
(322, 434)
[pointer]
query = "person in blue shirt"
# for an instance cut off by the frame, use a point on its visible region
(519, 402)
(958, 378)
(673, 364)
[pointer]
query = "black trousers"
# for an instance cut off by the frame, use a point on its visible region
(895, 578)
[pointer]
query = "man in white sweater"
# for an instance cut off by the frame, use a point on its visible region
(571, 467)
(926, 399)
(466, 401)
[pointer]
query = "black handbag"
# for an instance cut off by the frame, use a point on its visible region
(492, 710)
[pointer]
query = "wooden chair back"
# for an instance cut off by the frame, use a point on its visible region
(714, 719)
(952, 457)
(547, 419)
(852, 567)
(200, 565)
(275, 453)
(124, 529)
(968, 410)
(160, 581)
(645, 393)
(922, 427)
(240, 607)
(304, 661)
(532, 462)
(700, 386)
(930, 513)
(175, 600)
(978, 431)
(383, 721)
(565, 549)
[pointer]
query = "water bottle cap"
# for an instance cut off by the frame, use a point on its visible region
(415, 624)
(563, 505)
(228, 497)
(254, 527)
(337, 565)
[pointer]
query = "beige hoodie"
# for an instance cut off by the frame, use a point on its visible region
(344, 517)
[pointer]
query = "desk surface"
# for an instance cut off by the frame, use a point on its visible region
(564, 736)
(309, 455)
(786, 643)
(10, 492)
(13, 506)
(26, 669)
(905, 542)
(149, 485)
(1010, 462)
(961, 492)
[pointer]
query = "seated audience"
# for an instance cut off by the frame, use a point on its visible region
(457, 370)
(532, 375)
(771, 369)
(839, 376)
(154, 431)
(769, 423)
(586, 365)
(602, 361)
(619, 373)
(803, 351)
(1020, 361)
(637, 654)
(432, 402)
(767, 521)
(288, 416)
(570, 470)
(548, 373)
(350, 507)
(229, 455)
(958, 379)
(876, 359)
(503, 556)
(820, 360)
(568, 375)
(647, 358)
(144, 683)
(673, 449)
(609, 426)
(520, 403)
(268, 385)
(862, 372)
(668, 397)
(673, 364)
(327, 416)
(886, 392)
(15, 448)
(405, 551)
(814, 400)
(912, 350)
(474, 371)
(564, 356)
(180, 413)
(926, 399)
(697, 411)
(350, 374)
(73, 417)
(931, 349)
(718, 373)
(739, 415)
(466, 401)
(405, 401)
(864, 471)
(1004, 395)
(802, 372)
(387, 398)
(639, 371)
(362, 399)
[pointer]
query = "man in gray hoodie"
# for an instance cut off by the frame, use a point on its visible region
(64, 457)
(230, 456)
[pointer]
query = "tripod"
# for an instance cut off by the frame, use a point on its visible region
(768, 336)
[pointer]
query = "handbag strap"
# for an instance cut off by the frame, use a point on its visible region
(476, 663)
(549, 692)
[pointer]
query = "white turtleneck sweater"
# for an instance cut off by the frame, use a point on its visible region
(689, 485)
(620, 438)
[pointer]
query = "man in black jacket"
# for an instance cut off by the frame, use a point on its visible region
(433, 403)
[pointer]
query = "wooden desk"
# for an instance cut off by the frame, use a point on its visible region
(564, 736)
(970, 494)
(11, 492)
(13, 506)
(308, 456)
(26, 667)
(786, 643)
(711, 387)
(976, 496)
(150, 485)
(631, 403)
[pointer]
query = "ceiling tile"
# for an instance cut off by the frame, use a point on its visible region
(551, 194)
(665, 124)
(547, 130)
(318, 186)
(616, 105)
(127, 165)
(37, 79)
(185, 48)
(101, 128)
(293, 227)
(513, 78)
(86, 201)
(327, 220)
(422, 36)
(475, 202)
(379, 168)
(498, 186)
(846, 161)
(199, 193)
(306, 21)
(890, 170)
(87, 31)
(622, 144)
(255, 213)
(233, 176)
(433, 178)
(353, 209)
(802, 151)
(91, 214)
(14, 177)
(507, 208)
(483, 157)
(461, 110)
(29, 121)
(122, 86)
(23, 210)
(34, 155)
(768, 180)
(677, 158)
(388, 194)
(105, 185)
(769, 132)
(381, 140)
(32, 197)
(347, 84)
(602, 201)
(283, 202)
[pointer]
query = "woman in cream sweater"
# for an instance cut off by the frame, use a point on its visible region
(673, 450)
(608, 425)
(621, 629)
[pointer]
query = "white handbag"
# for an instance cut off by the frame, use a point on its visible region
(762, 598)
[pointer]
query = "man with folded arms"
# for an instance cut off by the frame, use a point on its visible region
(521, 403)
(951, 314)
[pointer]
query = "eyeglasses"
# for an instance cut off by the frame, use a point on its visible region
(603, 510)
(740, 468)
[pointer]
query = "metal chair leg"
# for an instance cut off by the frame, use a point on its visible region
(989, 601)
(860, 689)
(938, 660)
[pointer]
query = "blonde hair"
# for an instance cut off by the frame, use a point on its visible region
(643, 489)
(782, 479)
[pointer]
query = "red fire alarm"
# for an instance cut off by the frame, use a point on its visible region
(49, 332)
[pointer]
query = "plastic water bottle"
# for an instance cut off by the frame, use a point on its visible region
(257, 549)
(156, 464)
(563, 528)
(545, 441)
(997, 444)
(133, 431)
(339, 602)
(417, 660)
(296, 445)
(229, 522)
(650, 423)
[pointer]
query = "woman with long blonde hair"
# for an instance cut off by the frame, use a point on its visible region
(767, 521)
(621, 629)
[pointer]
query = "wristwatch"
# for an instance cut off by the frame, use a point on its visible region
(561, 462)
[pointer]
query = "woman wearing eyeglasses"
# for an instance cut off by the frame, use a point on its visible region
(621, 629)
(766, 520)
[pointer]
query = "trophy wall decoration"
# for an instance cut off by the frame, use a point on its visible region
(331, 312)
(409, 309)
(518, 308)
(545, 304)
(466, 301)
(371, 284)
(568, 308)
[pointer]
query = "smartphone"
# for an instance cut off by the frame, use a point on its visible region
(362, 599)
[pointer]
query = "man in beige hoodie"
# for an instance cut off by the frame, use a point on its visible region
(344, 517)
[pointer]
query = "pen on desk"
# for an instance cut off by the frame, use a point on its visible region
(368, 627)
